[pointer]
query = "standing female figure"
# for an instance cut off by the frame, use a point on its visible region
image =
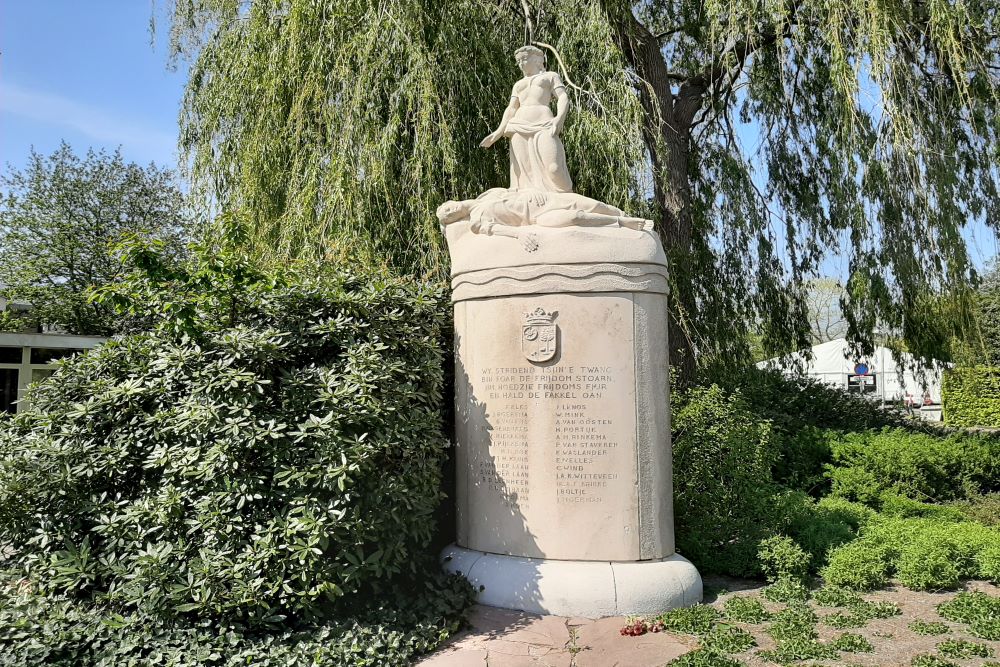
(537, 157)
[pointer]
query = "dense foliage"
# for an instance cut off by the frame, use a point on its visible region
(63, 632)
(60, 219)
(970, 396)
(271, 448)
(924, 553)
(869, 464)
(343, 124)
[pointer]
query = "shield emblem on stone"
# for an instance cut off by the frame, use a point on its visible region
(539, 336)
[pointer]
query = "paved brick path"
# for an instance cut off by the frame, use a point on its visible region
(503, 638)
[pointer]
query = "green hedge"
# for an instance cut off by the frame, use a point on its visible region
(920, 466)
(971, 396)
(271, 448)
(923, 553)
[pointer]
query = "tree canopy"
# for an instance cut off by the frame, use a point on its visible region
(761, 135)
(60, 218)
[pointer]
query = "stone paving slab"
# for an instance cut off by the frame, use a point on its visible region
(505, 638)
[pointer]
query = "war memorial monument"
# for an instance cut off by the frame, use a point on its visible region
(564, 496)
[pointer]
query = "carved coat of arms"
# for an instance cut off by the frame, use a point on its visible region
(539, 336)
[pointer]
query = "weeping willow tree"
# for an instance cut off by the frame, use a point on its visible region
(762, 136)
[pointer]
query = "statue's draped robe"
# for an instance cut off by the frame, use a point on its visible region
(528, 171)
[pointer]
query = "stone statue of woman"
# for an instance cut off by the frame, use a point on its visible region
(537, 157)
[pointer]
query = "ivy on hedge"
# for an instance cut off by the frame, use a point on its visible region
(971, 396)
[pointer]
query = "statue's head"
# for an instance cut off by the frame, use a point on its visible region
(451, 211)
(530, 58)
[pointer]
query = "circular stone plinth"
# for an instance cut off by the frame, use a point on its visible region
(592, 589)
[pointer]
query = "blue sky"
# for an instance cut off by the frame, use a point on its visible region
(84, 71)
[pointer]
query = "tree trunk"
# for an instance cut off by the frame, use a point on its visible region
(667, 133)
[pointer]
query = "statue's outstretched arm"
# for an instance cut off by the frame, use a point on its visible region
(508, 113)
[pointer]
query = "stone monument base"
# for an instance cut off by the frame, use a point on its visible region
(592, 589)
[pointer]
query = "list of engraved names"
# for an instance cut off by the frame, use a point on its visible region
(581, 401)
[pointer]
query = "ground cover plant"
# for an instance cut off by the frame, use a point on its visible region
(265, 458)
(745, 628)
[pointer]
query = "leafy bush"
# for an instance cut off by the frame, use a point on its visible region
(59, 631)
(860, 565)
(970, 396)
(800, 410)
(925, 554)
(271, 447)
(781, 557)
(723, 496)
(915, 465)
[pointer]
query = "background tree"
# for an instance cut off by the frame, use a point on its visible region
(826, 319)
(60, 219)
(872, 126)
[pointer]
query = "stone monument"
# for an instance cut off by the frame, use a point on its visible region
(564, 496)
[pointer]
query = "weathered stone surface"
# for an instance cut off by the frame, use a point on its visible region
(564, 488)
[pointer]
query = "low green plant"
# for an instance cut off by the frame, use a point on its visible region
(703, 657)
(988, 561)
(834, 596)
(745, 609)
(726, 639)
(961, 649)
(928, 627)
(781, 558)
(978, 610)
(852, 643)
(858, 614)
(58, 631)
(696, 620)
(895, 505)
(793, 650)
(927, 565)
(796, 621)
(931, 660)
(920, 466)
(861, 565)
(982, 508)
(926, 554)
(786, 590)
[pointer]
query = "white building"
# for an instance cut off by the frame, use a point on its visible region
(27, 357)
(878, 375)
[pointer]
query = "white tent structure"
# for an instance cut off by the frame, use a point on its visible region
(878, 375)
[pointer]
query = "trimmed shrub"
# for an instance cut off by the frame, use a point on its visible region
(860, 565)
(915, 465)
(924, 553)
(272, 447)
(970, 396)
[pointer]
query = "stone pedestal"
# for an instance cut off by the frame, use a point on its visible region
(564, 498)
